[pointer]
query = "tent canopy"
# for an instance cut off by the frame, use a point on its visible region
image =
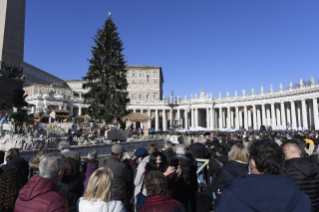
(136, 117)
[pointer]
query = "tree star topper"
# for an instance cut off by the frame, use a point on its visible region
(110, 14)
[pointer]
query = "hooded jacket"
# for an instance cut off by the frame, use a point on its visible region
(88, 168)
(168, 153)
(216, 162)
(261, 192)
(230, 170)
(139, 178)
(99, 206)
(72, 189)
(41, 195)
(199, 150)
(306, 174)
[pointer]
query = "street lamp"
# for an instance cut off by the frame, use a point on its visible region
(172, 103)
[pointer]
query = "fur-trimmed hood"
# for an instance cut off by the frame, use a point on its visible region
(34, 163)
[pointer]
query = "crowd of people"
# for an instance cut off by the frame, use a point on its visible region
(255, 171)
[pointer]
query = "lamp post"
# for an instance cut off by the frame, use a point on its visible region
(172, 103)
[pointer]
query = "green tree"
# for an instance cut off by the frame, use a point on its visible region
(106, 76)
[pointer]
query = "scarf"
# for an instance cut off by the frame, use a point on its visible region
(160, 203)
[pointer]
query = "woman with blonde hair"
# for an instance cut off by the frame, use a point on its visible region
(98, 195)
(236, 166)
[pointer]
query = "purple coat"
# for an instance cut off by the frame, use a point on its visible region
(88, 168)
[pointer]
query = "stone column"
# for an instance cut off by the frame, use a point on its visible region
(207, 117)
(149, 121)
(134, 124)
(196, 117)
(311, 117)
(186, 118)
(212, 123)
(240, 118)
(71, 111)
(164, 120)
(288, 114)
(293, 115)
(220, 118)
(278, 115)
(171, 118)
(273, 116)
(263, 114)
(224, 118)
(254, 117)
(258, 118)
(141, 124)
(245, 117)
(237, 118)
(232, 118)
(228, 117)
(268, 115)
(80, 111)
(304, 114)
(192, 117)
(283, 118)
(299, 113)
(156, 120)
(315, 113)
(249, 118)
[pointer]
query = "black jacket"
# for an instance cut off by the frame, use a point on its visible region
(215, 163)
(168, 153)
(306, 174)
(230, 170)
(122, 177)
(199, 150)
(72, 188)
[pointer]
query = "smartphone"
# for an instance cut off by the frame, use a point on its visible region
(174, 162)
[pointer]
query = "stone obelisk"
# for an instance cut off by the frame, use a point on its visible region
(12, 26)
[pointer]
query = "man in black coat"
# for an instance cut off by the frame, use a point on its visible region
(217, 160)
(303, 171)
(122, 176)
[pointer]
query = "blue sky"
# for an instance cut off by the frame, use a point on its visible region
(216, 45)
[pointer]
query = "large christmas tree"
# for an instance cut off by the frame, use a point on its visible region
(106, 77)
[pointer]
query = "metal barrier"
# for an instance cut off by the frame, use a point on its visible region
(205, 164)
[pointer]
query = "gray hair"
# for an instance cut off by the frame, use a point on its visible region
(64, 145)
(180, 149)
(93, 154)
(50, 165)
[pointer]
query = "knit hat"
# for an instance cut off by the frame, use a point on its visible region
(140, 152)
(117, 149)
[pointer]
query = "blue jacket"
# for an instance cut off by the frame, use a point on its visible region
(262, 193)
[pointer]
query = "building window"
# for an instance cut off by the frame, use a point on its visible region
(141, 74)
(140, 96)
(68, 92)
(155, 96)
(133, 96)
(147, 77)
(147, 96)
(133, 74)
(155, 74)
(155, 81)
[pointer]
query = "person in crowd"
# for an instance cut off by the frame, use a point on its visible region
(190, 155)
(98, 195)
(131, 165)
(155, 147)
(158, 198)
(168, 151)
(3, 119)
(34, 162)
(89, 166)
(150, 150)
(13, 158)
(11, 182)
(65, 149)
(236, 166)
(217, 161)
(158, 162)
(265, 189)
(121, 173)
(185, 188)
(143, 158)
(302, 144)
(303, 171)
(129, 161)
(199, 151)
(40, 193)
(71, 185)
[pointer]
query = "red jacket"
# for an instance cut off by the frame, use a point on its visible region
(40, 194)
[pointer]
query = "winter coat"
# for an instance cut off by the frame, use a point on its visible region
(306, 174)
(88, 167)
(73, 155)
(41, 195)
(168, 153)
(99, 206)
(139, 178)
(262, 192)
(187, 184)
(215, 162)
(72, 189)
(230, 170)
(122, 177)
(34, 166)
(161, 203)
(21, 162)
(199, 150)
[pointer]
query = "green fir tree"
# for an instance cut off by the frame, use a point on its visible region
(106, 77)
